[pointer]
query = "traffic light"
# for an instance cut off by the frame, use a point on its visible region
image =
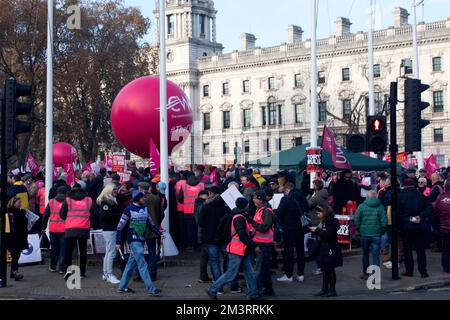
(376, 134)
(356, 143)
(13, 108)
(413, 114)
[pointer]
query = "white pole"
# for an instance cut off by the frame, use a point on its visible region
(420, 161)
(313, 85)
(49, 107)
(370, 61)
(169, 246)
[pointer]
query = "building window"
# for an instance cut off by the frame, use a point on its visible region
(246, 118)
(266, 145)
(321, 76)
(440, 159)
(206, 90)
(298, 108)
(226, 148)
(272, 114)
(323, 111)
(439, 135)
(280, 117)
(226, 119)
(206, 121)
(225, 88)
(264, 116)
(298, 141)
(297, 80)
(345, 74)
(271, 83)
(206, 148)
(279, 144)
(376, 71)
(438, 101)
(346, 108)
(170, 24)
(437, 64)
(379, 102)
(407, 64)
(247, 146)
(246, 86)
(201, 25)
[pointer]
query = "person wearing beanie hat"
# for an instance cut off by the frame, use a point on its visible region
(241, 203)
(137, 218)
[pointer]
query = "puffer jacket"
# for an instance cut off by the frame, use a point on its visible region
(371, 219)
(442, 212)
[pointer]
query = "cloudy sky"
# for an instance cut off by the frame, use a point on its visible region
(268, 19)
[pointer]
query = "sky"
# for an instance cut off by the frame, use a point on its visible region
(268, 20)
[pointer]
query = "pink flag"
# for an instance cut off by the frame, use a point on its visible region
(32, 164)
(108, 162)
(154, 158)
(329, 144)
(431, 165)
(213, 176)
(68, 168)
(88, 167)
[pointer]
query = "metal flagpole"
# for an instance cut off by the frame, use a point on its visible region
(170, 248)
(49, 107)
(420, 160)
(313, 85)
(370, 61)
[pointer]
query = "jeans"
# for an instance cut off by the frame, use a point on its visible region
(293, 239)
(152, 256)
(136, 260)
(232, 271)
(262, 268)
(110, 252)
(445, 259)
(415, 240)
(214, 252)
(57, 244)
(370, 245)
(82, 246)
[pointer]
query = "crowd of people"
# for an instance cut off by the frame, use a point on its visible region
(247, 238)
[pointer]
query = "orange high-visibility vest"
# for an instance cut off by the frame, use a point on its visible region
(262, 237)
(40, 199)
(190, 193)
(78, 214)
(178, 186)
(56, 224)
(236, 246)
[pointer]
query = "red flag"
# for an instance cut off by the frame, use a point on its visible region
(154, 158)
(32, 164)
(329, 144)
(68, 168)
(88, 167)
(431, 165)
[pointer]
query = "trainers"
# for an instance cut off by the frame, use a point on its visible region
(126, 290)
(211, 295)
(285, 278)
(113, 279)
(209, 280)
(52, 270)
(317, 272)
(155, 293)
(238, 290)
(388, 264)
(104, 277)
(61, 272)
(221, 293)
(299, 278)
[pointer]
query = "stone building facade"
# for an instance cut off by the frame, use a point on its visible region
(257, 99)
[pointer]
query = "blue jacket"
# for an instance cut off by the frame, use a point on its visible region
(135, 219)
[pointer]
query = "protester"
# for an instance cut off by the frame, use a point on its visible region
(96, 186)
(370, 223)
(240, 252)
(442, 212)
(17, 237)
(19, 190)
(247, 188)
(180, 210)
(423, 174)
(109, 214)
(330, 251)
(32, 191)
(204, 256)
(259, 178)
(422, 186)
(228, 178)
(56, 229)
(79, 213)
(60, 182)
(436, 190)
(344, 192)
(135, 219)
(40, 202)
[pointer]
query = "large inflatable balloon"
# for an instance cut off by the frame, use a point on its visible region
(63, 153)
(135, 115)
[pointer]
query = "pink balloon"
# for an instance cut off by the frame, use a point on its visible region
(135, 116)
(63, 153)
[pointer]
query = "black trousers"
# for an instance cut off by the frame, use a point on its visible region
(15, 256)
(204, 259)
(328, 280)
(417, 241)
(82, 245)
(293, 239)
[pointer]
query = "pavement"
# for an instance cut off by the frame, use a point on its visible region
(178, 279)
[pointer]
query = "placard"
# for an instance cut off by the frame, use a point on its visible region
(124, 176)
(365, 182)
(33, 253)
(275, 202)
(313, 159)
(118, 162)
(230, 196)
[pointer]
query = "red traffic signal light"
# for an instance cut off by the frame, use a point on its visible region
(377, 125)
(376, 134)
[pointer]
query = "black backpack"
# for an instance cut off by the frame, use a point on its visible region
(223, 233)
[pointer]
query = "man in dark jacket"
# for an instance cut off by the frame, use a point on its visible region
(442, 213)
(413, 211)
(211, 213)
(204, 256)
(228, 178)
(292, 206)
(344, 192)
(61, 182)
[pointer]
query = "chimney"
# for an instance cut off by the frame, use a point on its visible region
(294, 34)
(342, 26)
(248, 41)
(400, 17)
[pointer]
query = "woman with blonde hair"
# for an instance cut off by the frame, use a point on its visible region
(109, 219)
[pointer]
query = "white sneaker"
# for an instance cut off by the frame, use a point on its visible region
(388, 264)
(285, 278)
(317, 272)
(104, 277)
(299, 278)
(112, 279)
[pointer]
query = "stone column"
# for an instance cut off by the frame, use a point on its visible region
(214, 29)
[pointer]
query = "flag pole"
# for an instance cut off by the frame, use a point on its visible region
(314, 107)
(170, 248)
(49, 105)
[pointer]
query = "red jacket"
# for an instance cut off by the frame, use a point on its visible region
(442, 210)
